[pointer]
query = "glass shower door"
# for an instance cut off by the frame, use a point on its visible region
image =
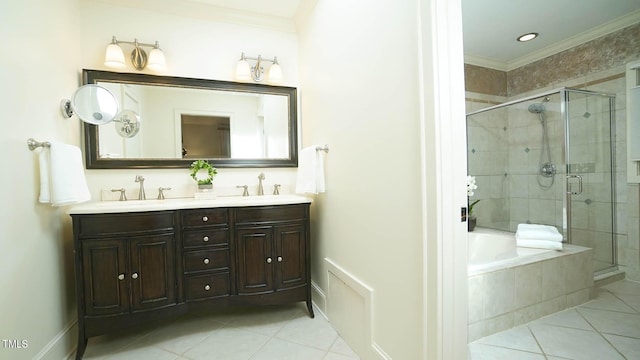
(589, 148)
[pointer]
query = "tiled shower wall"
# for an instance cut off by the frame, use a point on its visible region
(603, 72)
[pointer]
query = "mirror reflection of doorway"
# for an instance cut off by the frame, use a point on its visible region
(205, 136)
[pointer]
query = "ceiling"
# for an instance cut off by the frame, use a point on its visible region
(280, 8)
(490, 27)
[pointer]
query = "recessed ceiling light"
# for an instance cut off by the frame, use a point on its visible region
(527, 37)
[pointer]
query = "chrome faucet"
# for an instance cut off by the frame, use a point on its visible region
(245, 192)
(260, 188)
(161, 192)
(123, 194)
(141, 194)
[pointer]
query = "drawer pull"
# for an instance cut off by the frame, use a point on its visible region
(205, 218)
(121, 277)
(269, 260)
(134, 275)
(205, 239)
(207, 287)
(279, 258)
(206, 261)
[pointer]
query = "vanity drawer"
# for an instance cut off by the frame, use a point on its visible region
(204, 217)
(206, 260)
(271, 213)
(207, 237)
(207, 286)
(100, 224)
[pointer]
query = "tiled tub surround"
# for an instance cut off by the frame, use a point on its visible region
(513, 292)
(607, 327)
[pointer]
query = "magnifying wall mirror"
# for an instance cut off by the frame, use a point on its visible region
(93, 104)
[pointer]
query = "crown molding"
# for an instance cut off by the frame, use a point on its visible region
(571, 42)
(305, 9)
(199, 10)
(485, 62)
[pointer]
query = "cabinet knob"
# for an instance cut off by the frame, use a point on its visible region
(134, 275)
(121, 277)
(207, 287)
(205, 239)
(206, 261)
(269, 260)
(205, 218)
(279, 258)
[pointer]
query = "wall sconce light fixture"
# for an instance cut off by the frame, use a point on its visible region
(244, 71)
(114, 56)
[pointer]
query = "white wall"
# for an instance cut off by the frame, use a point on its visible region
(38, 68)
(47, 43)
(382, 85)
(359, 90)
(197, 48)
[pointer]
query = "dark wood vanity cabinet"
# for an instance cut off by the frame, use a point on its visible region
(270, 253)
(206, 254)
(128, 274)
(273, 254)
(142, 266)
(271, 258)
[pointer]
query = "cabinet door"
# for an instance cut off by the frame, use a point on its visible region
(255, 262)
(152, 271)
(290, 255)
(105, 277)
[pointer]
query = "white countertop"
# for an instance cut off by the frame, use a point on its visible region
(98, 207)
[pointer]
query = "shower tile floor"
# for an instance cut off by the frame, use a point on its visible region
(264, 333)
(606, 328)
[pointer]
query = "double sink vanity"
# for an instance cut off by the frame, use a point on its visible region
(144, 260)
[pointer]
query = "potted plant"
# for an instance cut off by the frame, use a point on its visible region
(198, 168)
(471, 186)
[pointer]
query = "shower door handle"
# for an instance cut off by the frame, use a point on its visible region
(569, 191)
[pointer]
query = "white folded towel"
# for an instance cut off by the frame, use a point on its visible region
(310, 171)
(538, 232)
(539, 244)
(62, 180)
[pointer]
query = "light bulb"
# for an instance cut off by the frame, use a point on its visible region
(243, 70)
(156, 60)
(114, 56)
(275, 73)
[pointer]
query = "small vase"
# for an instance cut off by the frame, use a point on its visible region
(205, 187)
(471, 223)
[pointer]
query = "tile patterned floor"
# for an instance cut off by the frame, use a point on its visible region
(265, 333)
(606, 328)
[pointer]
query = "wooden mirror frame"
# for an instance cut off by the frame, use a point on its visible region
(91, 146)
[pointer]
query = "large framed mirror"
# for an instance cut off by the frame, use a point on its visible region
(184, 119)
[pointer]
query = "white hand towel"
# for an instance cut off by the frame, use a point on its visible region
(539, 244)
(62, 180)
(310, 171)
(538, 232)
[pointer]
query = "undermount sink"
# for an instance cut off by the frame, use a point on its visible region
(185, 203)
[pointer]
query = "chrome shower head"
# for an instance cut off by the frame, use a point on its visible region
(536, 108)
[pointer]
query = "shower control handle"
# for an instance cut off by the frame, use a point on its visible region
(571, 192)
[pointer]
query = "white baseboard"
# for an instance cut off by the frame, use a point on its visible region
(319, 299)
(62, 346)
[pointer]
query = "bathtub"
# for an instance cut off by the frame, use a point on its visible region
(490, 250)
(510, 285)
